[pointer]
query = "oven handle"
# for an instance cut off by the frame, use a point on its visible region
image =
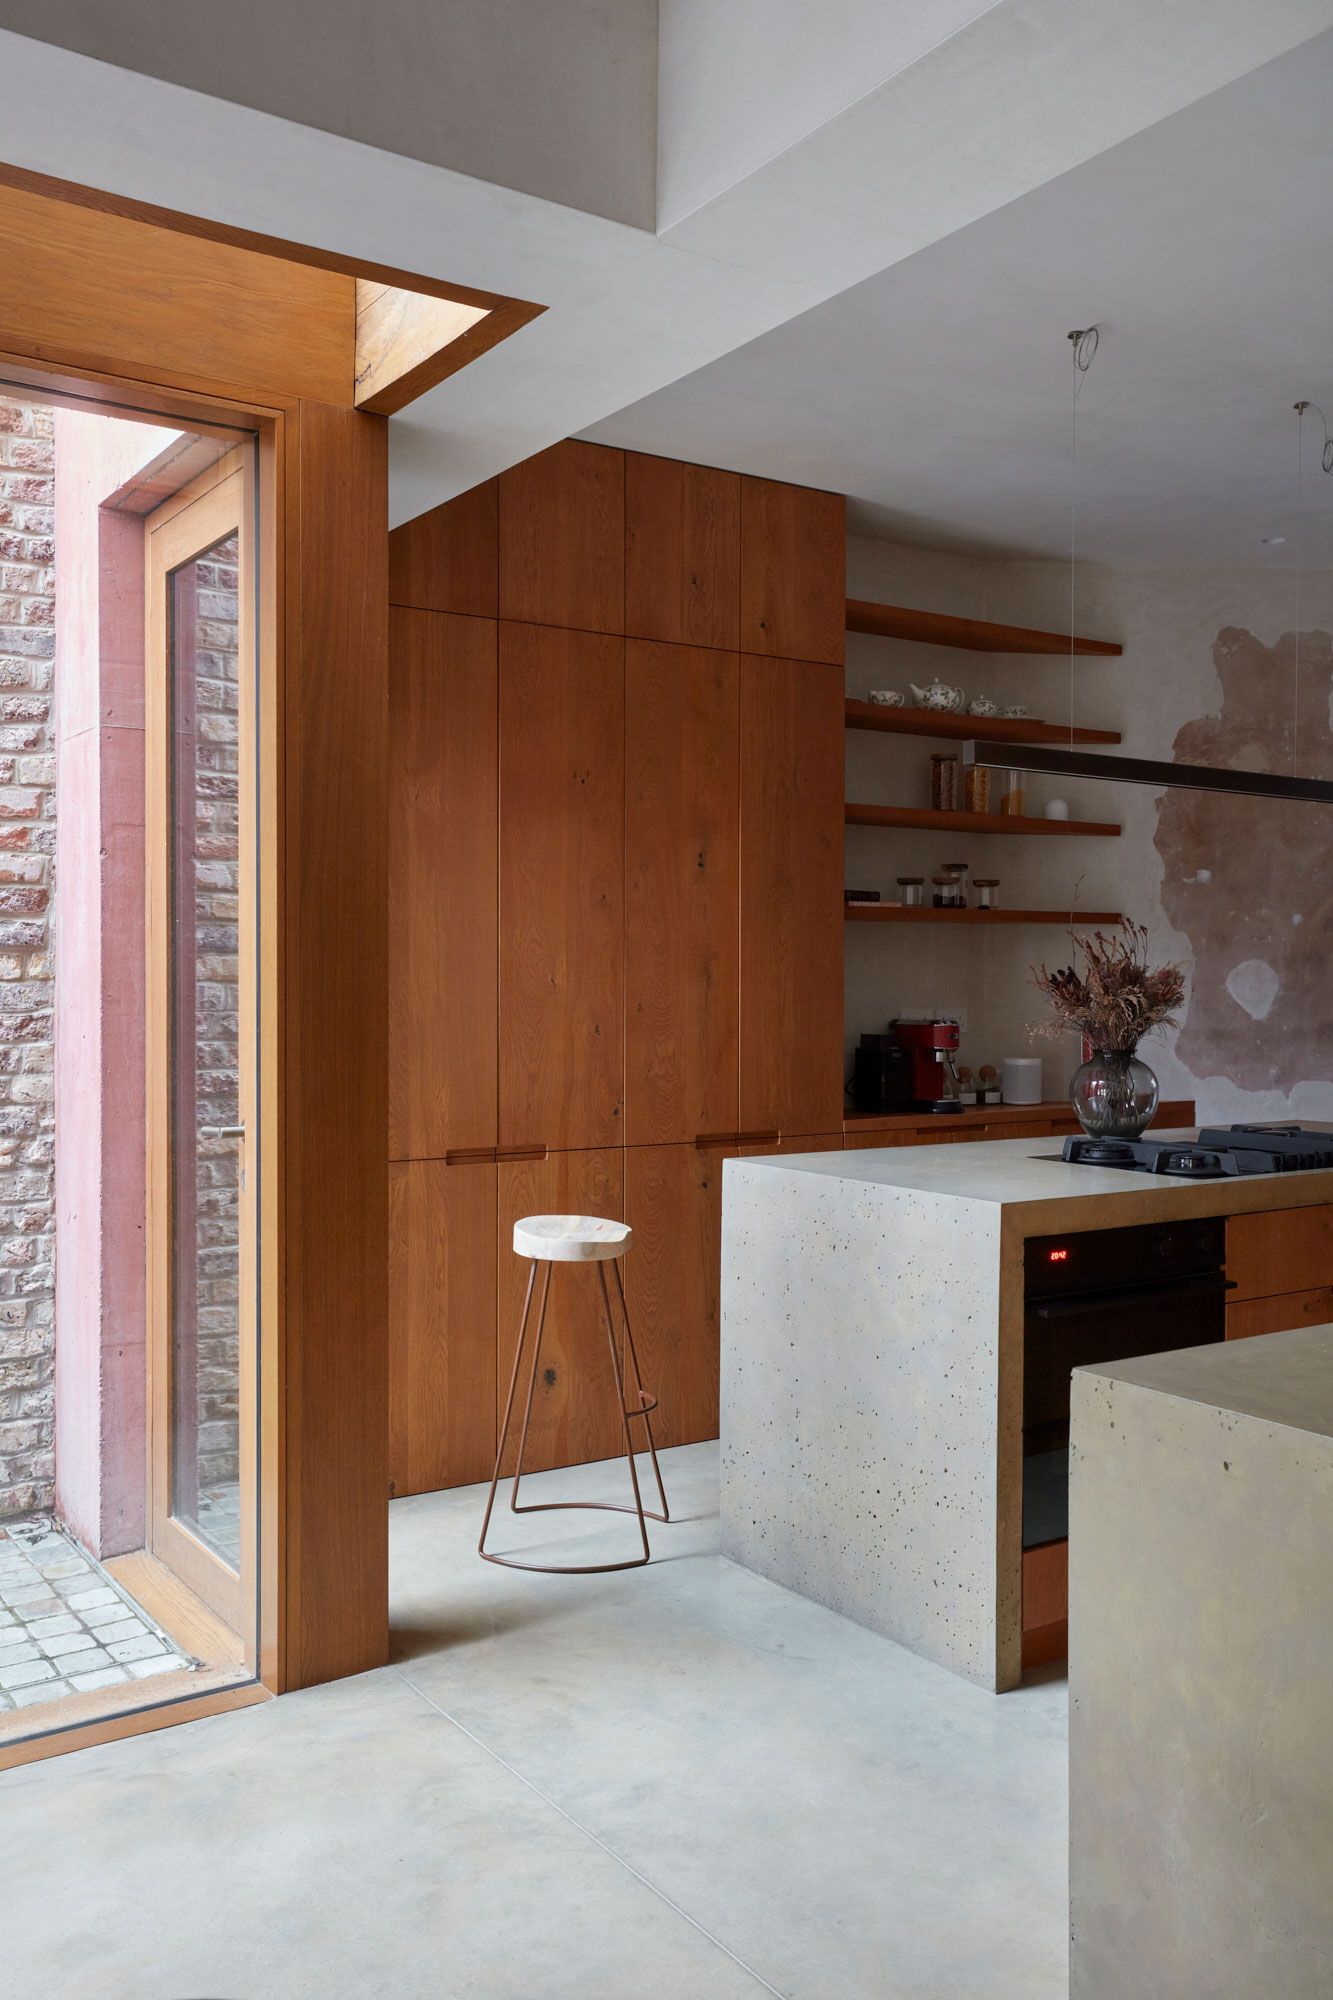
(1088, 1302)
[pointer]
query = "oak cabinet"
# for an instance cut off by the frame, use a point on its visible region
(682, 970)
(615, 914)
(574, 1412)
(562, 538)
(1282, 1250)
(791, 923)
(673, 1275)
(793, 572)
(1247, 1317)
(682, 552)
(443, 881)
(562, 881)
(442, 1363)
(448, 559)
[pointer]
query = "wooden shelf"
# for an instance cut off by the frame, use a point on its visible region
(1172, 1114)
(973, 635)
(925, 820)
(983, 728)
(895, 913)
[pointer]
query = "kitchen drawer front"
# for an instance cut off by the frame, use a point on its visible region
(1247, 1317)
(1282, 1251)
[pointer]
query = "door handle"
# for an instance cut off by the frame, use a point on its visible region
(222, 1131)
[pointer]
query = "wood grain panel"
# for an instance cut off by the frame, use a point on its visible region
(1045, 1603)
(1282, 1250)
(793, 571)
(335, 1066)
(682, 552)
(1248, 1317)
(442, 1272)
(400, 341)
(443, 883)
(562, 538)
(574, 1413)
(791, 896)
(448, 559)
(104, 291)
(673, 1277)
(562, 887)
(807, 1142)
(682, 892)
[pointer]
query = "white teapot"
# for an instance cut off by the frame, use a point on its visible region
(939, 695)
(983, 705)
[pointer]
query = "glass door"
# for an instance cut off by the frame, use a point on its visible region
(202, 1319)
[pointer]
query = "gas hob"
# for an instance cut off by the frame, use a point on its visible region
(1217, 1152)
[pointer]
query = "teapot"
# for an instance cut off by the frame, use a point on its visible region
(939, 695)
(983, 705)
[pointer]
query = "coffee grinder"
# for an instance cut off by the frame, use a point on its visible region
(931, 1045)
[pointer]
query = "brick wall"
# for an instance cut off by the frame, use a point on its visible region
(216, 670)
(27, 842)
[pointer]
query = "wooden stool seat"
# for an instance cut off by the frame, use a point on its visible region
(570, 1239)
(578, 1239)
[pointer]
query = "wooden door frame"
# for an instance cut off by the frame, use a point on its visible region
(322, 562)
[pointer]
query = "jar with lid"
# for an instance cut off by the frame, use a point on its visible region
(1015, 799)
(985, 887)
(978, 788)
(945, 889)
(944, 780)
(957, 873)
(911, 887)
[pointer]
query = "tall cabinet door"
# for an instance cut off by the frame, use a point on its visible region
(441, 1323)
(443, 884)
(682, 947)
(562, 888)
(673, 1277)
(791, 897)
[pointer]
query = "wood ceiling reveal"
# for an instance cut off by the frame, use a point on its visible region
(406, 341)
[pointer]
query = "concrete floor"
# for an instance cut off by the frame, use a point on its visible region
(679, 1783)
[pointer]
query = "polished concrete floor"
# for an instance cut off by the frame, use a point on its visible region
(678, 1783)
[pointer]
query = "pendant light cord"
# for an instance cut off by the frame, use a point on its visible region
(1300, 409)
(1083, 343)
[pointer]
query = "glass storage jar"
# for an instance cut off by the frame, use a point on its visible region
(978, 788)
(944, 890)
(984, 887)
(944, 780)
(957, 870)
(911, 887)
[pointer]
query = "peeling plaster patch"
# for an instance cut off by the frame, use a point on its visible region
(1260, 1008)
(1254, 986)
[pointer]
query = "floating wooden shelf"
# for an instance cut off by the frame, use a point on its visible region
(925, 820)
(984, 728)
(891, 913)
(974, 635)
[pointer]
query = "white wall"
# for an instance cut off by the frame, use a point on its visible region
(1261, 899)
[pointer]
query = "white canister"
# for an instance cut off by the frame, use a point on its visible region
(1056, 809)
(1022, 1079)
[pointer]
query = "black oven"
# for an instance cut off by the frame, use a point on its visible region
(1104, 1295)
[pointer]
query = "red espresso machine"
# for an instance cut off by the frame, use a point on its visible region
(932, 1046)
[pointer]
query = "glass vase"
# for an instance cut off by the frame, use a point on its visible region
(1114, 1095)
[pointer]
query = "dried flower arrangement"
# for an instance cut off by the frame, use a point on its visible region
(1120, 997)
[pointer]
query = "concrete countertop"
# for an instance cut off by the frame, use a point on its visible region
(1281, 1378)
(1021, 1176)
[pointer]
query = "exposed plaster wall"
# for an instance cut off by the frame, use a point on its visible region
(1176, 625)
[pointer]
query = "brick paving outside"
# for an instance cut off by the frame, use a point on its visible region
(65, 1627)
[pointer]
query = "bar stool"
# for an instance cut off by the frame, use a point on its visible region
(576, 1239)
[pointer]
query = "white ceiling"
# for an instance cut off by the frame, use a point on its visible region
(799, 151)
(937, 394)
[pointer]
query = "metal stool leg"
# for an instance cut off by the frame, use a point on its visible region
(646, 1402)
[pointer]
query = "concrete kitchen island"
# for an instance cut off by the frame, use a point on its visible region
(872, 1371)
(1200, 1673)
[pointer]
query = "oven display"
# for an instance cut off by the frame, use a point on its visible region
(1058, 1256)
